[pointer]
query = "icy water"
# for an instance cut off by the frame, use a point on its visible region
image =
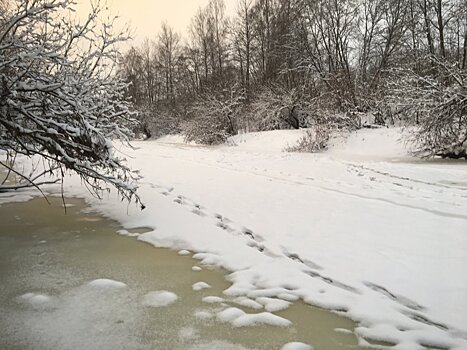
(47, 260)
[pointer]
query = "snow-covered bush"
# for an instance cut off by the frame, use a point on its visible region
(314, 140)
(213, 119)
(276, 109)
(59, 98)
(436, 104)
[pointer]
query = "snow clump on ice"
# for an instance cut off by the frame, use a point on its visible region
(106, 283)
(200, 286)
(273, 304)
(238, 318)
(36, 300)
(212, 299)
(159, 298)
(247, 302)
(296, 346)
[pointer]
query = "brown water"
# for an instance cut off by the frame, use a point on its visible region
(55, 256)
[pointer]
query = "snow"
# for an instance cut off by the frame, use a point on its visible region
(247, 302)
(362, 228)
(230, 314)
(296, 346)
(342, 330)
(196, 268)
(106, 283)
(212, 299)
(200, 286)
(184, 252)
(269, 141)
(124, 232)
(370, 144)
(273, 304)
(159, 298)
(36, 300)
(238, 318)
(263, 318)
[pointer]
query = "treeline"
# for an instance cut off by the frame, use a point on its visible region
(300, 63)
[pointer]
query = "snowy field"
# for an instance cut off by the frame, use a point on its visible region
(362, 229)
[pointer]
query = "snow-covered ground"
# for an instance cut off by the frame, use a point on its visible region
(362, 229)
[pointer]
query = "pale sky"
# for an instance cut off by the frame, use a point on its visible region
(146, 16)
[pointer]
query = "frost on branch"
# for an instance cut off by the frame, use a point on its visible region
(59, 96)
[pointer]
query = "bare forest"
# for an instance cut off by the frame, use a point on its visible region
(320, 64)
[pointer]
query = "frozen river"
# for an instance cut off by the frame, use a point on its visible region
(59, 290)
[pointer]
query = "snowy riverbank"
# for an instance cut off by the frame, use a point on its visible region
(362, 229)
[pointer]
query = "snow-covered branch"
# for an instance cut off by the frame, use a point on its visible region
(58, 96)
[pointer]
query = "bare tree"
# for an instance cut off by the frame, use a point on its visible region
(243, 38)
(168, 46)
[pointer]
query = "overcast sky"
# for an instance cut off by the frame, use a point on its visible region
(146, 16)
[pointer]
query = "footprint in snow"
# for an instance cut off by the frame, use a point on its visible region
(198, 210)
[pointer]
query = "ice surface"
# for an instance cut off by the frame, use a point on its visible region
(200, 286)
(106, 283)
(159, 298)
(203, 314)
(188, 333)
(296, 346)
(217, 345)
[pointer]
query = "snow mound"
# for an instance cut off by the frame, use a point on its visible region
(172, 139)
(374, 144)
(106, 283)
(184, 252)
(266, 141)
(296, 346)
(200, 286)
(159, 298)
(196, 268)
